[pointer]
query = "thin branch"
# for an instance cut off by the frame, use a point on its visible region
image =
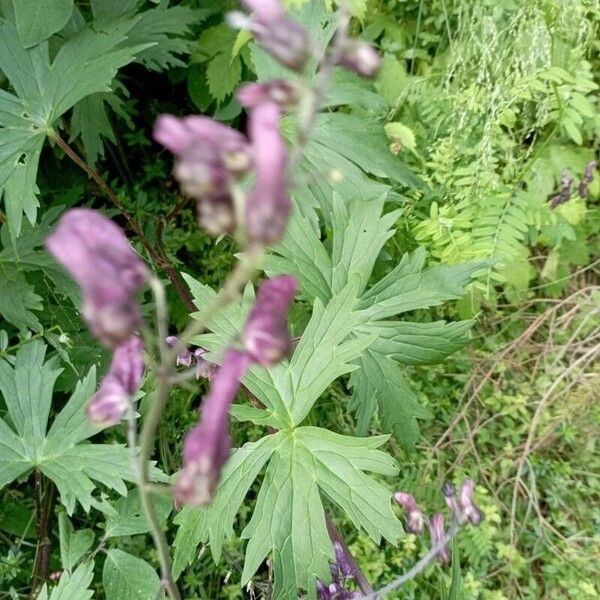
(159, 259)
(44, 500)
(420, 565)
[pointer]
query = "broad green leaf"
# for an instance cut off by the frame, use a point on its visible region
(130, 518)
(126, 576)
(409, 287)
(72, 586)
(301, 253)
(37, 21)
(360, 232)
(214, 524)
(379, 382)
(223, 74)
(289, 522)
(62, 453)
(73, 544)
(45, 90)
(417, 343)
(324, 352)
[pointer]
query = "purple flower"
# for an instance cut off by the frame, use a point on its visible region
(449, 491)
(414, 520)
(279, 35)
(265, 335)
(204, 369)
(268, 204)
(438, 533)
(361, 58)
(468, 508)
(588, 175)
(97, 254)
(210, 156)
(110, 402)
(184, 358)
(566, 181)
(207, 446)
(281, 92)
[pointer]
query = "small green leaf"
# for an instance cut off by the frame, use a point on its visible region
(126, 576)
(72, 586)
(73, 544)
(223, 74)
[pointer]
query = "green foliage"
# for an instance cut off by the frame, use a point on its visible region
(126, 576)
(72, 586)
(61, 452)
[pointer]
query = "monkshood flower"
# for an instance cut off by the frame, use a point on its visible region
(361, 58)
(282, 92)
(437, 532)
(265, 336)
(279, 35)
(111, 401)
(210, 156)
(97, 254)
(207, 446)
(588, 175)
(204, 368)
(184, 358)
(343, 561)
(468, 509)
(268, 204)
(414, 516)
(566, 181)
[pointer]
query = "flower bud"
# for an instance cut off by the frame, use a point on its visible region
(414, 516)
(566, 181)
(588, 175)
(266, 337)
(111, 401)
(438, 534)
(207, 446)
(343, 561)
(280, 36)
(268, 204)
(283, 93)
(449, 491)
(468, 508)
(97, 254)
(361, 58)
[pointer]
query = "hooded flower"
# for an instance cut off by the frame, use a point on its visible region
(588, 175)
(268, 204)
(468, 508)
(184, 358)
(110, 402)
(209, 157)
(279, 35)
(414, 516)
(207, 446)
(265, 335)
(97, 254)
(361, 58)
(281, 92)
(438, 533)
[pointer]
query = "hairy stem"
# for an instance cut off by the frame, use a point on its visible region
(158, 258)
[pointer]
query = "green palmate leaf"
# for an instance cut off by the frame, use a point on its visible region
(73, 544)
(45, 90)
(130, 518)
(72, 586)
(215, 523)
(409, 286)
(126, 576)
(37, 21)
(379, 383)
(62, 452)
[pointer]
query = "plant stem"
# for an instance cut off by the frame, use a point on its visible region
(44, 500)
(420, 565)
(159, 258)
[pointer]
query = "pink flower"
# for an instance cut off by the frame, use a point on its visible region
(110, 402)
(361, 57)
(268, 204)
(281, 92)
(210, 156)
(468, 508)
(265, 335)
(438, 534)
(207, 446)
(109, 272)
(184, 358)
(414, 521)
(279, 35)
